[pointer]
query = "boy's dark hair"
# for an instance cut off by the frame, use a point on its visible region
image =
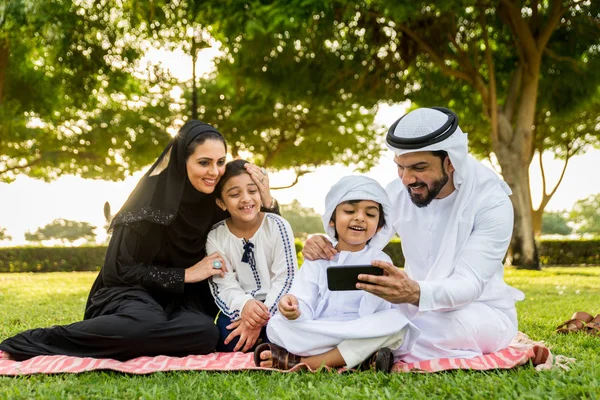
(380, 223)
(232, 168)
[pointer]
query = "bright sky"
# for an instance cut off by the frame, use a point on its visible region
(27, 204)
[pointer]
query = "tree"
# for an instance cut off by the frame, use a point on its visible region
(586, 215)
(299, 81)
(63, 230)
(74, 96)
(281, 112)
(82, 113)
(304, 220)
(511, 69)
(4, 235)
(566, 136)
(555, 223)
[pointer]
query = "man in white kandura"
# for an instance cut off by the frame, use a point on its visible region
(455, 221)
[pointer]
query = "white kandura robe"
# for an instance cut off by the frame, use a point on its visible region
(454, 249)
(328, 318)
(471, 311)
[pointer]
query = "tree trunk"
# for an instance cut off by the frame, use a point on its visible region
(514, 150)
(537, 221)
(194, 88)
(523, 248)
(3, 66)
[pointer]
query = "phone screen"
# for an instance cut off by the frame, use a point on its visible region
(345, 277)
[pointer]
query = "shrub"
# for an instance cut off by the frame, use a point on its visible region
(299, 244)
(569, 252)
(51, 259)
(394, 250)
(91, 258)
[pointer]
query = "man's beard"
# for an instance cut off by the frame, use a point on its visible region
(432, 191)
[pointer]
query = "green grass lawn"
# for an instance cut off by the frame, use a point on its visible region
(34, 300)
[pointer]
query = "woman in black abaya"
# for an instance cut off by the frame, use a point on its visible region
(151, 296)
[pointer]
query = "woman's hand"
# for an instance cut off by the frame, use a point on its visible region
(317, 247)
(248, 336)
(205, 268)
(261, 178)
(288, 307)
(255, 314)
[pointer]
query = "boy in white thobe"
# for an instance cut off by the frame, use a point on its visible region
(356, 323)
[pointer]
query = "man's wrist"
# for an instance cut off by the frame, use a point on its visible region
(416, 294)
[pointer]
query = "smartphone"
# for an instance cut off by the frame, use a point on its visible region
(345, 277)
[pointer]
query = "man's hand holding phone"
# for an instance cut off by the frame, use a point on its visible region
(394, 285)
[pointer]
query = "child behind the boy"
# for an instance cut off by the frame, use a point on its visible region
(319, 327)
(261, 259)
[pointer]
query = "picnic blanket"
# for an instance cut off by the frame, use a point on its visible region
(521, 351)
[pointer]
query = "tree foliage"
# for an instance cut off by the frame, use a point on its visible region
(63, 230)
(586, 215)
(555, 223)
(520, 74)
(74, 95)
(4, 235)
(304, 220)
(286, 93)
(299, 81)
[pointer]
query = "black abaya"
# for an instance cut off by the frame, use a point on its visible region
(139, 304)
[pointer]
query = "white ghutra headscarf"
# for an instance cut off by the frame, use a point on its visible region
(433, 129)
(356, 187)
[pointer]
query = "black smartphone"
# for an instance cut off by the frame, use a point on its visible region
(345, 277)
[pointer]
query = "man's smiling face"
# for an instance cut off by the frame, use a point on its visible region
(425, 175)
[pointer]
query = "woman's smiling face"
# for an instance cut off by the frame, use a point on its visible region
(206, 165)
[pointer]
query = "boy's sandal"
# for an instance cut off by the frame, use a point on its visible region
(577, 323)
(593, 327)
(382, 360)
(281, 358)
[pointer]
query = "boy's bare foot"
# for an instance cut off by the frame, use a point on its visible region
(269, 355)
(266, 359)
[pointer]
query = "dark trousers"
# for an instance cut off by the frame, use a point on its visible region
(222, 322)
(132, 327)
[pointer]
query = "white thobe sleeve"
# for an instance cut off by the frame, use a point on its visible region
(306, 289)
(479, 261)
(227, 292)
(285, 264)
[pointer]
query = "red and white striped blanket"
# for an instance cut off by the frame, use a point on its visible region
(520, 352)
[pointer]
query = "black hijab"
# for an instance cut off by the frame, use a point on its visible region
(166, 197)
